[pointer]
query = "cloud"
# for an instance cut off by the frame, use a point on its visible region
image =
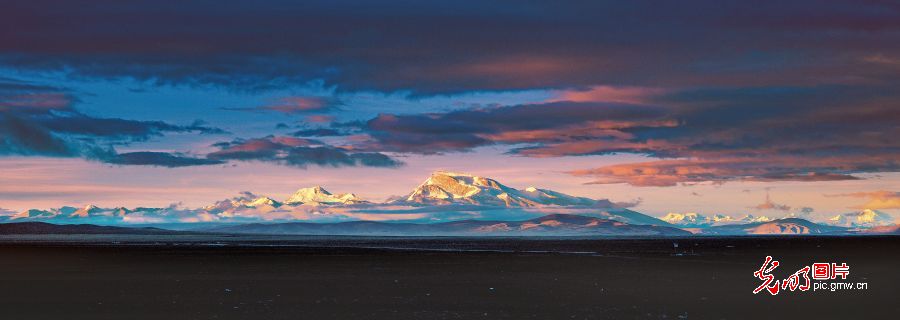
(811, 134)
(319, 118)
(26, 97)
(318, 132)
(160, 159)
(463, 130)
(619, 94)
(665, 173)
(881, 199)
(750, 92)
(771, 205)
(298, 152)
(758, 134)
(628, 204)
(700, 135)
(296, 105)
(40, 120)
(259, 148)
(480, 46)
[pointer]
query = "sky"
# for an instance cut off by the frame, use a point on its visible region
(704, 106)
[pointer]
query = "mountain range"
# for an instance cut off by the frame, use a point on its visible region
(443, 188)
(695, 220)
(866, 218)
(443, 196)
(445, 203)
(863, 219)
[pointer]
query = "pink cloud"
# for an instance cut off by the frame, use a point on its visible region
(299, 104)
(44, 100)
(295, 104)
(881, 199)
(636, 95)
(663, 173)
(319, 118)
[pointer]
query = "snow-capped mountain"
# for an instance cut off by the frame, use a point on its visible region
(246, 200)
(444, 196)
(696, 220)
(319, 196)
(689, 219)
(722, 219)
(443, 188)
(749, 218)
(863, 219)
(86, 211)
(34, 214)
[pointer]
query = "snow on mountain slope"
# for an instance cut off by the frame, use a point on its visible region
(444, 196)
(443, 188)
(87, 211)
(863, 219)
(319, 196)
(689, 219)
(243, 201)
(33, 214)
(696, 220)
(722, 219)
(753, 219)
(550, 197)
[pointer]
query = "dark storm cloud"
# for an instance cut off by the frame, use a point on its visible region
(440, 47)
(298, 152)
(40, 120)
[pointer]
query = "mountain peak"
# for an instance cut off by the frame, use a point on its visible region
(445, 187)
(317, 195)
(688, 219)
(865, 218)
(86, 211)
(263, 201)
(243, 201)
